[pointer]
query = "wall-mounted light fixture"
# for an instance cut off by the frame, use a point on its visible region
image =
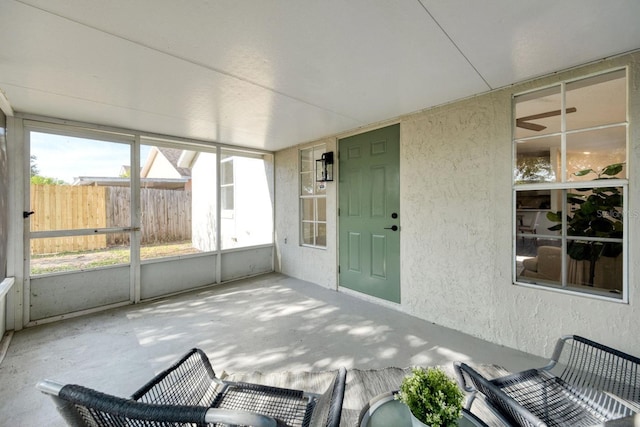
(324, 167)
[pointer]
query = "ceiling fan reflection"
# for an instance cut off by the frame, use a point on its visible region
(524, 122)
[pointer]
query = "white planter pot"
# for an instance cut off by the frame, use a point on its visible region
(416, 422)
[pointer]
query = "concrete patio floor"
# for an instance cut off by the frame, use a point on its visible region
(269, 323)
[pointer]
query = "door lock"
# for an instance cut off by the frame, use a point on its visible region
(393, 228)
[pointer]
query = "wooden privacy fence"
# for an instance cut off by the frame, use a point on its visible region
(166, 216)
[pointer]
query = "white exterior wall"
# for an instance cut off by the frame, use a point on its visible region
(160, 167)
(311, 264)
(456, 222)
(203, 202)
(252, 221)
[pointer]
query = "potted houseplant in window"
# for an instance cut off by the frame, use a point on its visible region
(596, 212)
(433, 398)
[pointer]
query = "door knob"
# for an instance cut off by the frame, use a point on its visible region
(393, 228)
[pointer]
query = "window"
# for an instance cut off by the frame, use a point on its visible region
(313, 200)
(80, 222)
(570, 186)
(172, 209)
(226, 185)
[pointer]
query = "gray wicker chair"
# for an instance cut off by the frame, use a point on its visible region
(585, 383)
(189, 393)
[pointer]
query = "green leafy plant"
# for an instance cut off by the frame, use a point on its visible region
(432, 397)
(596, 212)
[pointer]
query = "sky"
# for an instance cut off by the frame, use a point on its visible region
(65, 157)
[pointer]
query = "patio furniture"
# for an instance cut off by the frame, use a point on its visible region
(189, 392)
(585, 383)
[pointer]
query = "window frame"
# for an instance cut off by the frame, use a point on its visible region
(316, 151)
(226, 211)
(564, 185)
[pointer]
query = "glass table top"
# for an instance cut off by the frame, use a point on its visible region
(384, 411)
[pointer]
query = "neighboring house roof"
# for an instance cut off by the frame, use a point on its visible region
(167, 166)
(173, 155)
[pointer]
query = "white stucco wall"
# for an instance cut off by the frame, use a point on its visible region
(456, 245)
(312, 264)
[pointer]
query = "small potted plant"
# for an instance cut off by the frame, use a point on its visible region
(433, 398)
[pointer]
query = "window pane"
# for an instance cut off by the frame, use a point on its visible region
(308, 211)
(307, 161)
(321, 239)
(308, 231)
(307, 182)
(167, 201)
(70, 253)
(539, 263)
(595, 212)
(227, 198)
(226, 174)
(538, 113)
(72, 181)
(320, 188)
(598, 100)
(250, 196)
(322, 209)
(600, 273)
(537, 160)
(596, 149)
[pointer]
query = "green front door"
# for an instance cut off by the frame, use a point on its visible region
(369, 213)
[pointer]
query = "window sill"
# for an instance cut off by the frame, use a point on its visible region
(580, 291)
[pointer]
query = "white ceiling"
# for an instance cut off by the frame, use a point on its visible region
(274, 73)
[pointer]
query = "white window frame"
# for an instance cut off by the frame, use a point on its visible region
(564, 185)
(317, 151)
(227, 213)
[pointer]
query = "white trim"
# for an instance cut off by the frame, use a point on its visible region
(79, 232)
(218, 215)
(77, 132)
(5, 340)
(144, 134)
(5, 286)
(5, 105)
(135, 235)
(77, 313)
(571, 185)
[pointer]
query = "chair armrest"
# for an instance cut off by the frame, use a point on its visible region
(112, 407)
(504, 406)
(328, 409)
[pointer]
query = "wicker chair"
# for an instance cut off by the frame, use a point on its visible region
(585, 383)
(189, 393)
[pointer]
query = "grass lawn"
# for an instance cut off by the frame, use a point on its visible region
(69, 261)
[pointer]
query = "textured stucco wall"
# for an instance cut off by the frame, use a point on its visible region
(456, 245)
(311, 264)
